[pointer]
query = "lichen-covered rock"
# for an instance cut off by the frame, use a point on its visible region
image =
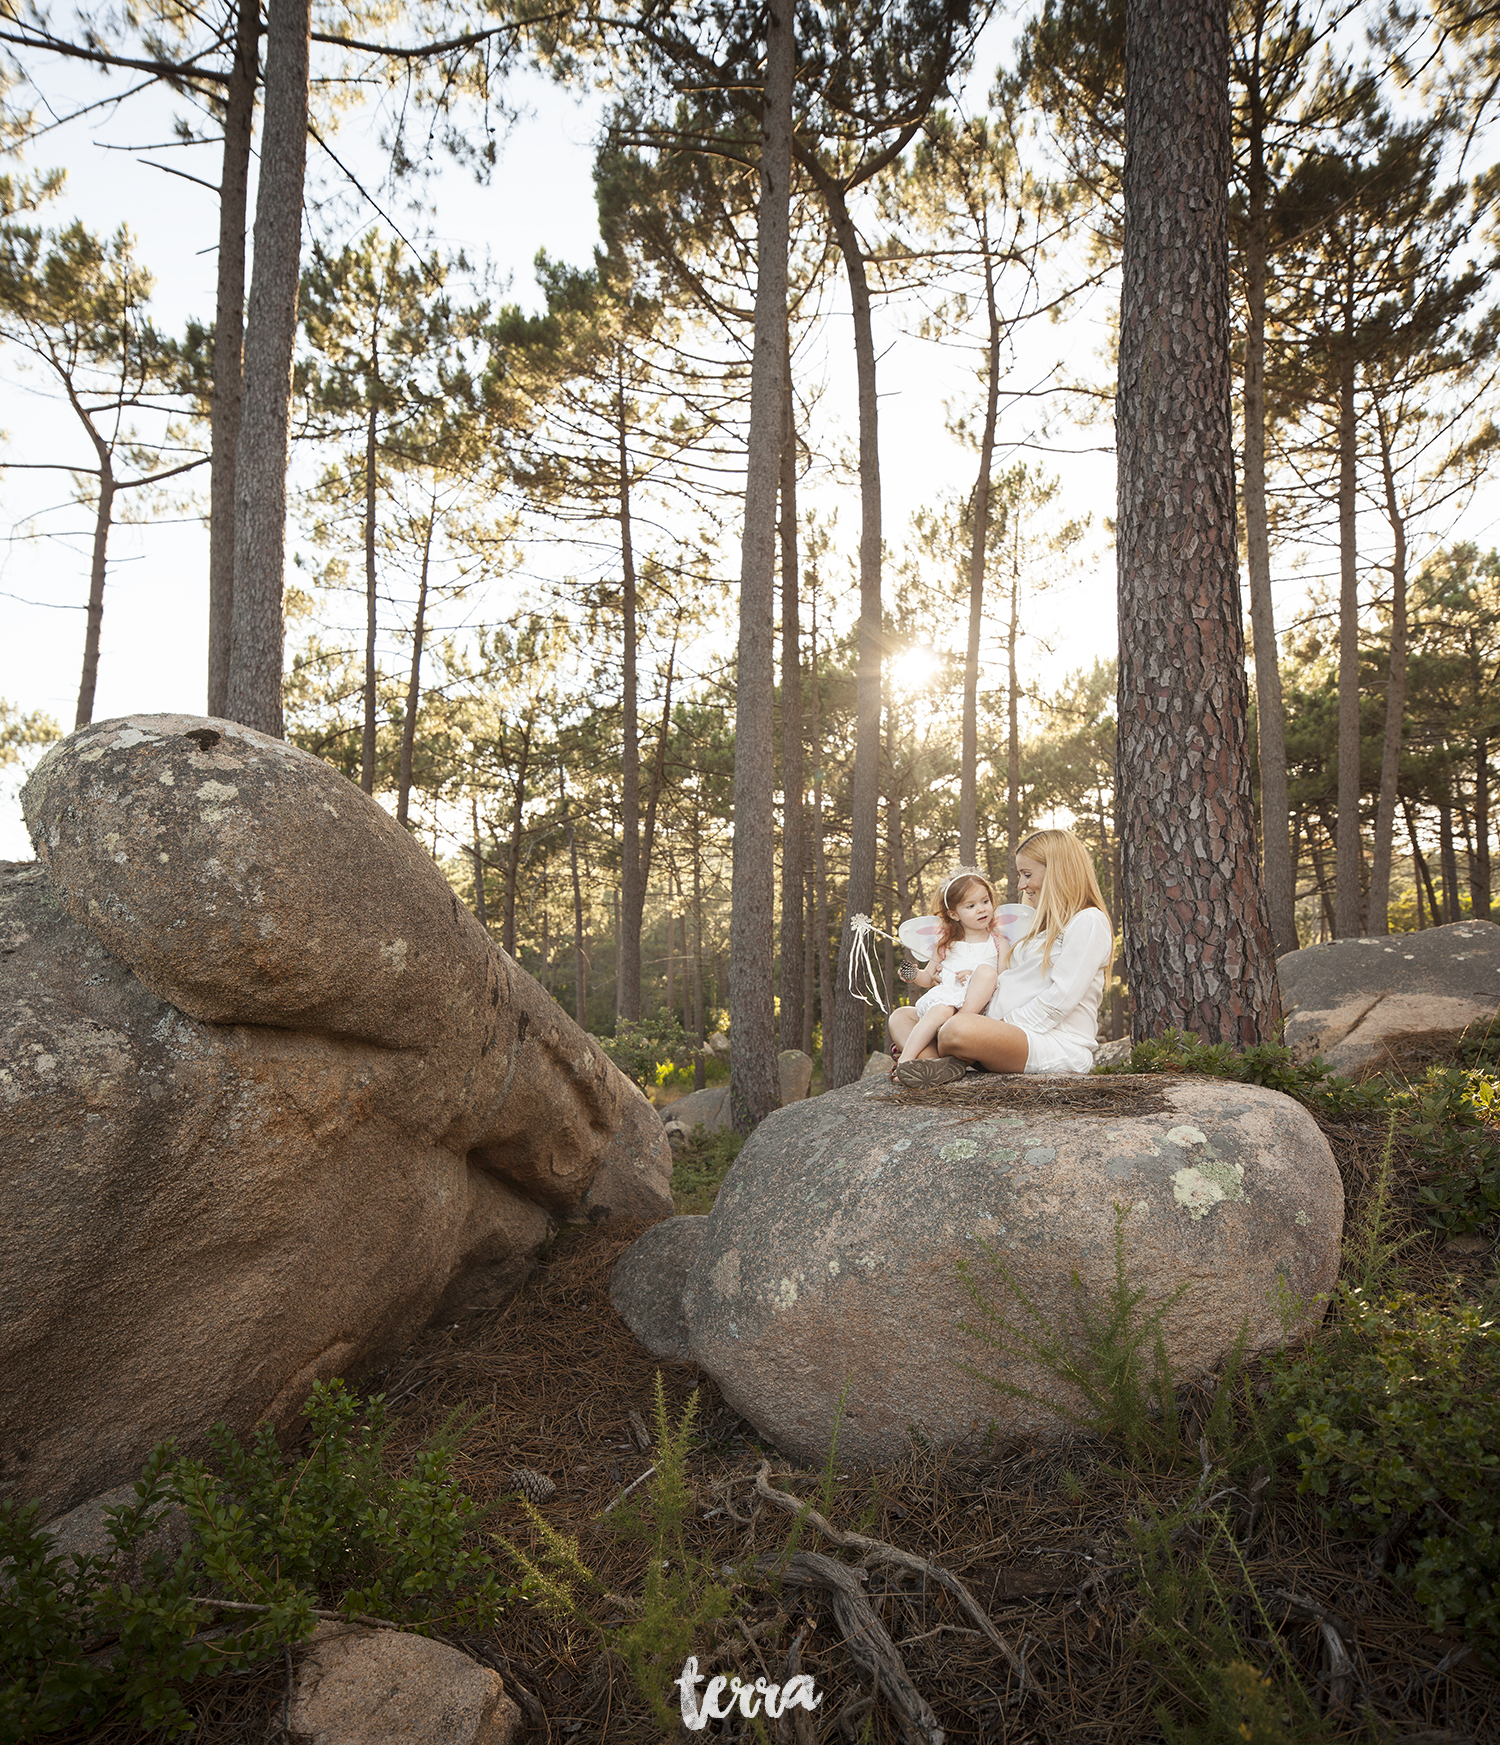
(1356, 1002)
(832, 1258)
(357, 1686)
(268, 1095)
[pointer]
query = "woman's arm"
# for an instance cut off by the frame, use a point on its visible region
(1077, 958)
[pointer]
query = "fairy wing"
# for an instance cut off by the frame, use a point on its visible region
(921, 935)
(1012, 920)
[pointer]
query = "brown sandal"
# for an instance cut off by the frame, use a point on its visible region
(927, 1074)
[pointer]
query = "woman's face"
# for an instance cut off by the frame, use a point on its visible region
(1029, 876)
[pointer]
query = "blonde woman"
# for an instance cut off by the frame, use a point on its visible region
(1044, 1016)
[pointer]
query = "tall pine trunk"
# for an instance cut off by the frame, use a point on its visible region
(517, 830)
(580, 950)
(414, 685)
(372, 453)
(1395, 704)
(479, 913)
(253, 694)
(632, 883)
(1270, 710)
(754, 1090)
(1197, 943)
(844, 1040)
(819, 894)
(793, 818)
(1346, 904)
(1013, 727)
(968, 781)
(103, 515)
(229, 341)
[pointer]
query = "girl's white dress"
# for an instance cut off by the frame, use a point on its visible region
(948, 990)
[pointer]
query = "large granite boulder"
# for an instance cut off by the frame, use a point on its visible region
(834, 1251)
(269, 1097)
(1360, 1002)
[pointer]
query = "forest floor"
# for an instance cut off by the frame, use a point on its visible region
(1133, 1591)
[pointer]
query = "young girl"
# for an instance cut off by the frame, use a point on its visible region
(1044, 1016)
(961, 977)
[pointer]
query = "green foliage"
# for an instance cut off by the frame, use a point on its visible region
(277, 1539)
(701, 1167)
(1400, 1414)
(642, 1048)
(20, 732)
(682, 1593)
(1116, 1359)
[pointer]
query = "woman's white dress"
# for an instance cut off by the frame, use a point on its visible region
(1058, 1008)
(947, 990)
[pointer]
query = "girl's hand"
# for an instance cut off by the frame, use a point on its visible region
(962, 976)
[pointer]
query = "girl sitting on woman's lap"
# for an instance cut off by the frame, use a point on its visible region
(1044, 1015)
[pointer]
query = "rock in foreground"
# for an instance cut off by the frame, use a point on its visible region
(1359, 1002)
(269, 1094)
(832, 1256)
(388, 1687)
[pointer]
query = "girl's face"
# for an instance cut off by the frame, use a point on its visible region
(1029, 876)
(974, 910)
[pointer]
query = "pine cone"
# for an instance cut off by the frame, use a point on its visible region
(536, 1487)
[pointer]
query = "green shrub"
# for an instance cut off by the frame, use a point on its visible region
(1400, 1413)
(701, 1166)
(646, 1049)
(278, 1539)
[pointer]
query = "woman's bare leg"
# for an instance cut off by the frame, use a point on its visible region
(972, 1036)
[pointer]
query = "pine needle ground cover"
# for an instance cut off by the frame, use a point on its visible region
(1253, 1565)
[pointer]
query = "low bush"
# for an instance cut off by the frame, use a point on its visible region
(274, 1541)
(700, 1168)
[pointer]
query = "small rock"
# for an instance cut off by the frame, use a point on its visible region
(84, 1532)
(1466, 1247)
(879, 1065)
(647, 1283)
(794, 1069)
(708, 1109)
(388, 1687)
(1114, 1053)
(718, 1045)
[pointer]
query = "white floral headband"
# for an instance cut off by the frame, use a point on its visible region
(964, 872)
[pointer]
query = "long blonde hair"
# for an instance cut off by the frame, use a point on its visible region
(1069, 884)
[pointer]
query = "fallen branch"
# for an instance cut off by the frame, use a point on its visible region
(331, 1617)
(866, 1638)
(878, 1551)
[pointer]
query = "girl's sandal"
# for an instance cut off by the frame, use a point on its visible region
(921, 1075)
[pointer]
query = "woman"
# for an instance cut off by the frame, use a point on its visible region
(1044, 1016)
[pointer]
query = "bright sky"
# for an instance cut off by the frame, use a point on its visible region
(541, 195)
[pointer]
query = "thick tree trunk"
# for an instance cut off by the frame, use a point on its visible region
(632, 882)
(372, 450)
(414, 685)
(753, 1088)
(968, 780)
(1346, 906)
(793, 817)
(89, 678)
(253, 694)
(844, 1040)
(517, 830)
(229, 339)
(1270, 711)
(1013, 730)
(1395, 706)
(1197, 943)
(479, 914)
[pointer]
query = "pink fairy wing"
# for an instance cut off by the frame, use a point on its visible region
(921, 934)
(1012, 920)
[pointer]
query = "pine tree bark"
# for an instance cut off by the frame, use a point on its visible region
(968, 781)
(580, 949)
(1395, 704)
(844, 1039)
(414, 684)
(1270, 711)
(372, 456)
(103, 515)
(793, 818)
(753, 1088)
(253, 694)
(1013, 729)
(478, 854)
(229, 340)
(517, 830)
(1197, 942)
(1346, 904)
(632, 882)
